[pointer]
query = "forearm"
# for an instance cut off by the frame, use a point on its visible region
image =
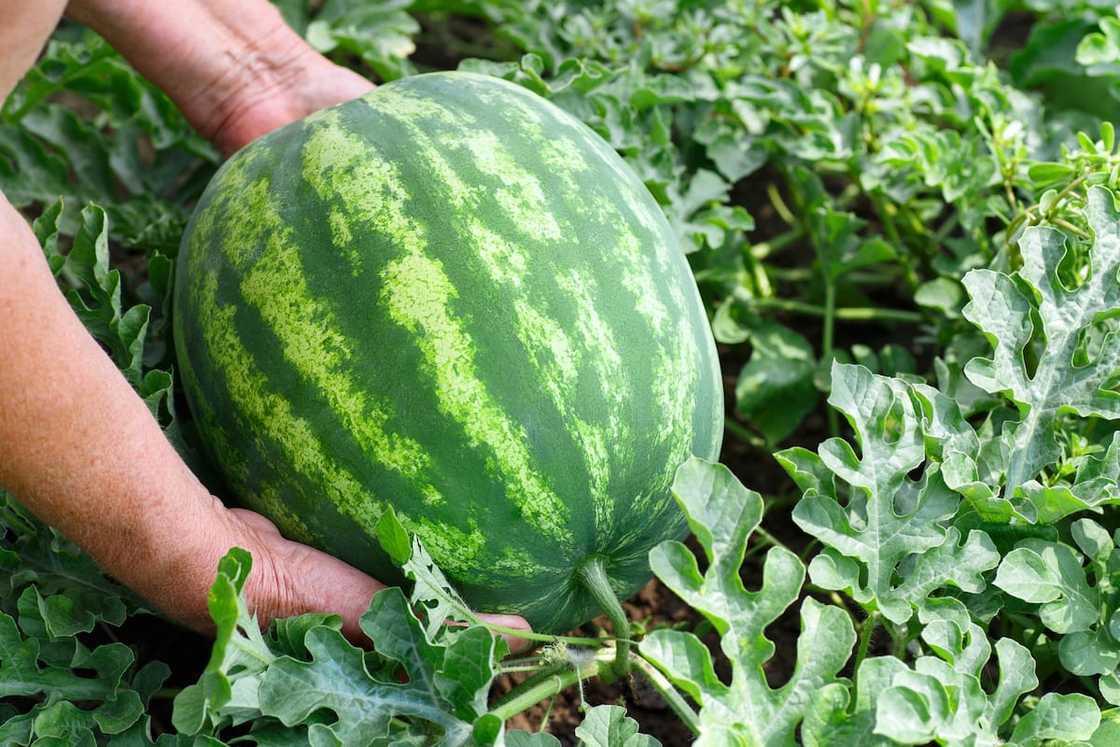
(24, 28)
(81, 450)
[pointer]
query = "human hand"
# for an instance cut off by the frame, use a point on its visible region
(296, 86)
(289, 578)
(233, 67)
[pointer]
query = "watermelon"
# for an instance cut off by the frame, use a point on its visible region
(450, 297)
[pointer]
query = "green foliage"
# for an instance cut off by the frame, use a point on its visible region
(286, 681)
(51, 599)
(1074, 373)
(379, 34)
(1071, 589)
(604, 726)
(940, 699)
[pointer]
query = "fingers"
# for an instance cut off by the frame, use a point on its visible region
(516, 643)
(507, 621)
(335, 586)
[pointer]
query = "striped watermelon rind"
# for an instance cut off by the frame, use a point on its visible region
(452, 297)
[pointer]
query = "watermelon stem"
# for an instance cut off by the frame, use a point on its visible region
(550, 682)
(669, 694)
(593, 575)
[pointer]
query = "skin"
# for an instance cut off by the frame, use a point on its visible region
(78, 447)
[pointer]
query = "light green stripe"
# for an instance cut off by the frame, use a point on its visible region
(311, 342)
(309, 334)
(457, 551)
(676, 372)
(343, 169)
(418, 295)
(522, 197)
(676, 377)
(561, 154)
(273, 504)
(506, 263)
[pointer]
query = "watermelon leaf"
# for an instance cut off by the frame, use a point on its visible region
(393, 537)
(95, 289)
(943, 699)
(1077, 371)
(722, 515)
(775, 388)
(888, 519)
(433, 593)
(305, 668)
(604, 726)
(239, 657)
(445, 685)
(915, 709)
(1057, 717)
(531, 739)
(55, 593)
(380, 34)
(131, 150)
(1075, 591)
(609, 726)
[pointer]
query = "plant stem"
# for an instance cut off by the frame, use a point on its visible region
(829, 325)
(780, 206)
(866, 630)
(899, 640)
(542, 637)
(669, 693)
(595, 580)
(536, 689)
(524, 661)
(508, 669)
(809, 548)
(805, 274)
(764, 249)
(886, 211)
(743, 433)
(860, 314)
(1067, 226)
(546, 684)
(547, 714)
(1066, 191)
(769, 539)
